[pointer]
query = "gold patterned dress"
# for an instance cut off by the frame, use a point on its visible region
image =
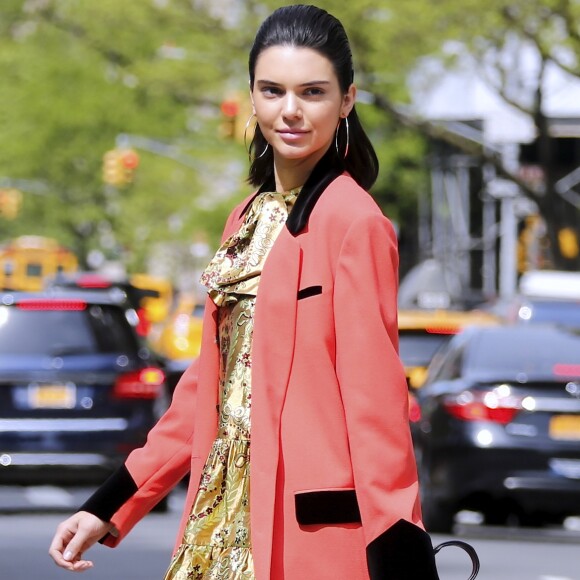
(216, 544)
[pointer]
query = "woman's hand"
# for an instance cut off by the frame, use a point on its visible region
(73, 537)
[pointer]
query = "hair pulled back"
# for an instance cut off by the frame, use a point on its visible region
(305, 26)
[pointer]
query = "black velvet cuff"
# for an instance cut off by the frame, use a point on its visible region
(403, 552)
(111, 495)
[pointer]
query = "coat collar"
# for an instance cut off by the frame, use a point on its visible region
(325, 172)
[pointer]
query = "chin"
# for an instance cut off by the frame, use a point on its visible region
(295, 153)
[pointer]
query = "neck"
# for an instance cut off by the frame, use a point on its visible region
(292, 173)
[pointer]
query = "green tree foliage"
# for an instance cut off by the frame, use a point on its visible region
(76, 75)
(500, 37)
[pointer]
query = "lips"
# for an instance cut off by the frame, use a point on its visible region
(291, 134)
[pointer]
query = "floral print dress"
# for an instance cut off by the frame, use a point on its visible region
(216, 544)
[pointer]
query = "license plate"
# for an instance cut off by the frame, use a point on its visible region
(52, 396)
(565, 427)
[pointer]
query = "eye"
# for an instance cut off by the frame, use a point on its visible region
(314, 92)
(271, 91)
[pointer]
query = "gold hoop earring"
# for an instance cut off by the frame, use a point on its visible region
(347, 138)
(263, 152)
(248, 148)
(246, 131)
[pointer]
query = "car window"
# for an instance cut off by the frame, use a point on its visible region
(417, 347)
(451, 366)
(564, 313)
(541, 352)
(96, 329)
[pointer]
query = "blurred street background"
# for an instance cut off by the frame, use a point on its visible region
(505, 554)
(122, 127)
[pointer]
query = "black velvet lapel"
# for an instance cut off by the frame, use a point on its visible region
(325, 172)
(111, 495)
(327, 507)
(321, 177)
(403, 552)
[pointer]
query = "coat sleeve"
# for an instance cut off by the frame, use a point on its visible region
(375, 397)
(150, 472)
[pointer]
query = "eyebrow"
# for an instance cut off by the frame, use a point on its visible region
(307, 84)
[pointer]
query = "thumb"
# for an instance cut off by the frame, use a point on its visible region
(75, 546)
(89, 529)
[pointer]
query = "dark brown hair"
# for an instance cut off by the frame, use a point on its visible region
(307, 26)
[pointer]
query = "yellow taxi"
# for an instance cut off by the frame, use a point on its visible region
(423, 332)
(26, 261)
(157, 295)
(178, 338)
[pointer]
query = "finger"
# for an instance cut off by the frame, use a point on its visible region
(74, 537)
(76, 564)
(57, 546)
(80, 543)
(75, 548)
(61, 538)
(81, 565)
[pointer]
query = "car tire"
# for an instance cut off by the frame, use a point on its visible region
(437, 517)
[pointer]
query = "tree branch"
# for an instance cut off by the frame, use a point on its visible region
(438, 131)
(546, 54)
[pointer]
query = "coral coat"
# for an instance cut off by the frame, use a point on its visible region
(332, 464)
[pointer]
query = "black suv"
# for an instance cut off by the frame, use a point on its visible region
(121, 290)
(79, 389)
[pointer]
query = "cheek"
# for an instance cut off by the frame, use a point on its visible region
(327, 122)
(265, 114)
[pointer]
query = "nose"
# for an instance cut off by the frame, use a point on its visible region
(291, 106)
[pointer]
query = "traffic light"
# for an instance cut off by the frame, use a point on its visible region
(119, 166)
(129, 163)
(10, 202)
(112, 170)
(568, 242)
(230, 112)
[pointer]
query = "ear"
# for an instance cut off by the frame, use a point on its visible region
(252, 98)
(348, 101)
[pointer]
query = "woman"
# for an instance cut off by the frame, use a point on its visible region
(304, 369)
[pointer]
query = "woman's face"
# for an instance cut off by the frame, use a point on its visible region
(298, 102)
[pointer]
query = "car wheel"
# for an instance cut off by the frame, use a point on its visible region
(437, 517)
(535, 520)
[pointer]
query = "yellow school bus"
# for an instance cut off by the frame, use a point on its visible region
(25, 262)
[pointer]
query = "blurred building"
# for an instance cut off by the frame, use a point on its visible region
(477, 225)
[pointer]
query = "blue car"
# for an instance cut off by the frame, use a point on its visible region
(78, 387)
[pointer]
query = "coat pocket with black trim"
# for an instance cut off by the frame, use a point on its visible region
(336, 506)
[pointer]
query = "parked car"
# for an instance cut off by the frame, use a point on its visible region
(423, 332)
(78, 387)
(543, 296)
(522, 309)
(500, 426)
